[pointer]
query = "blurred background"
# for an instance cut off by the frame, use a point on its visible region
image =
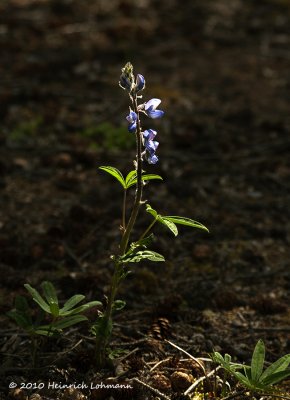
(222, 71)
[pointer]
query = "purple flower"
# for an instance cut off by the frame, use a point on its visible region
(132, 119)
(140, 82)
(149, 134)
(152, 159)
(150, 108)
(151, 146)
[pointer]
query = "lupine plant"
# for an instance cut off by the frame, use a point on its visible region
(254, 377)
(137, 249)
(59, 318)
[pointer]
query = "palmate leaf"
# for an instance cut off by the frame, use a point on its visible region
(257, 362)
(115, 173)
(170, 221)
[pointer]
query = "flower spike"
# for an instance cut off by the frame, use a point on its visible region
(134, 84)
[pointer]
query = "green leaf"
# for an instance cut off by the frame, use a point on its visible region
(21, 313)
(169, 224)
(277, 366)
(54, 309)
(21, 320)
(45, 330)
(163, 220)
(276, 377)
(223, 361)
(145, 177)
(170, 220)
(37, 298)
(21, 304)
(257, 362)
(228, 358)
(49, 292)
(119, 305)
(226, 362)
(115, 173)
(244, 380)
(82, 308)
(145, 242)
(69, 321)
(51, 297)
(131, 176)
(185, 221)
(151, 211)
(218, 358)
(70, 303)
(248, 372)
(142, 255)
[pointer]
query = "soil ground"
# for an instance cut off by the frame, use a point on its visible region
(222, 70)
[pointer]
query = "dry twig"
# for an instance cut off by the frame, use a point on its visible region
(198, 381)
(189, 355)
(152, 389)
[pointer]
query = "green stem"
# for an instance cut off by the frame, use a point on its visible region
(124, 210)
(104, 336)
(148, 229)
(139, 188)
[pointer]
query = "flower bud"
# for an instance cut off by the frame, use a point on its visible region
(140, 82)
(127, 77)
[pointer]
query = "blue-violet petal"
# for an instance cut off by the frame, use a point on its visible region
(140, 82)
(152, 159)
